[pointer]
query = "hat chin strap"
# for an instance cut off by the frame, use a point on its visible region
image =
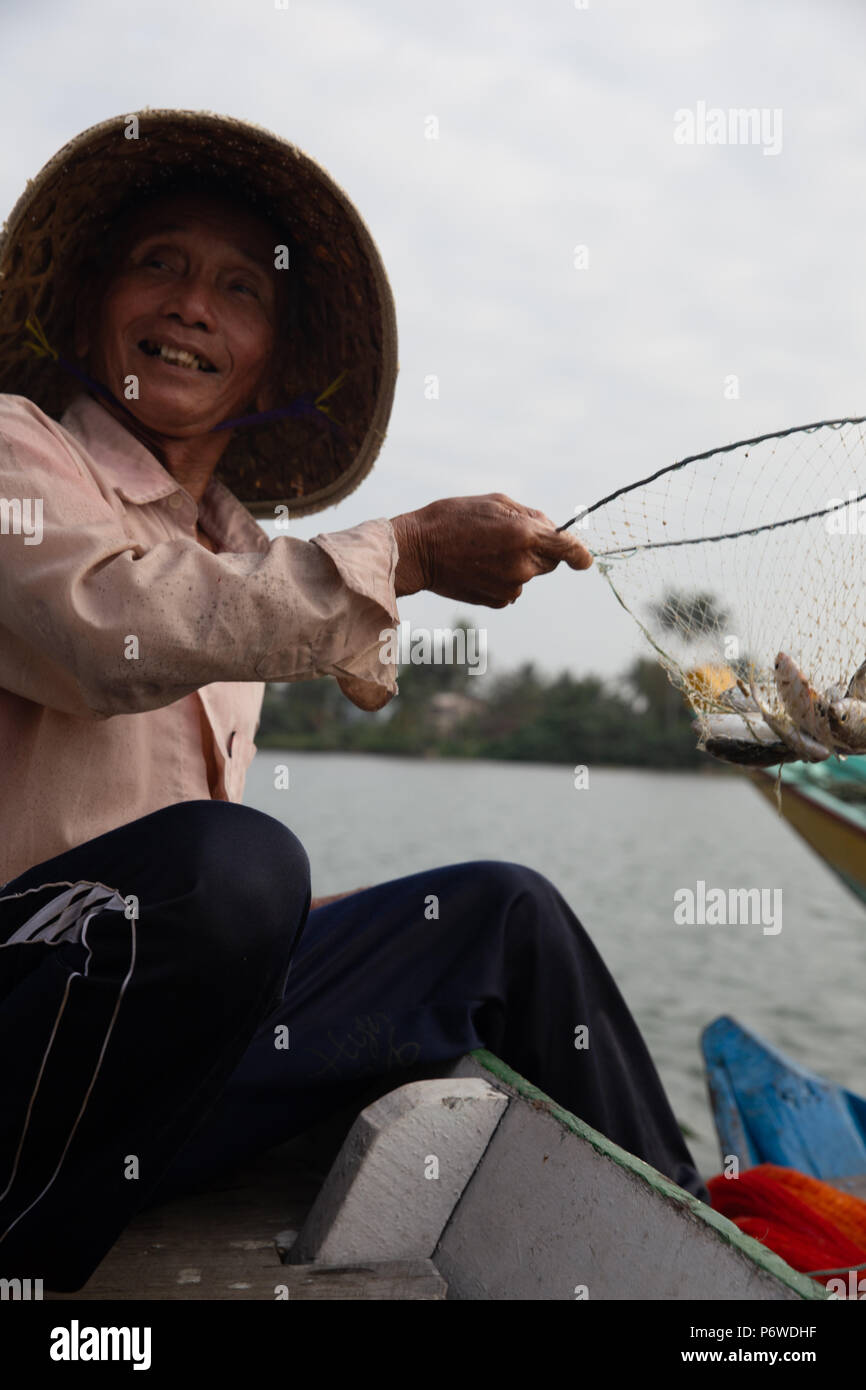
(306, 405)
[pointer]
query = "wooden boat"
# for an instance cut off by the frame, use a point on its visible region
(769, 1109)
(474, 1186)
(826, 804)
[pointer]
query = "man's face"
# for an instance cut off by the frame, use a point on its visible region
(190, 309)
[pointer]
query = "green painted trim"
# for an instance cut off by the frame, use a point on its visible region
(856, 887)
(766, 1259)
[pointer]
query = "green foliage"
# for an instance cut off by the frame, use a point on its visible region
(639, 720)
(692, 615)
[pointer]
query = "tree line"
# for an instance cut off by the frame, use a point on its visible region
(638, 719)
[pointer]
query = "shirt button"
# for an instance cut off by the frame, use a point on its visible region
(175, 501)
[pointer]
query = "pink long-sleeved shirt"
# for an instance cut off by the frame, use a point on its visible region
(132, 659)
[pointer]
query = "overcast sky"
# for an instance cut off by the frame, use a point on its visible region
(556, 129)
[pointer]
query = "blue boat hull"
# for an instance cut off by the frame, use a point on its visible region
(768, 1109)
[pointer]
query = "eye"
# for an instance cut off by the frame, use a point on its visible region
(246, 287)
(156, 260)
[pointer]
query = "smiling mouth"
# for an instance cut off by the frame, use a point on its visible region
(176, 357)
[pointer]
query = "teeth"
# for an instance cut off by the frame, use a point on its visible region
(178, 356)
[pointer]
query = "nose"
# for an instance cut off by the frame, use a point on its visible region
(189, 303)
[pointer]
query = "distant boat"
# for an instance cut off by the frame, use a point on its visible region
(769, 1109)
(826, 804)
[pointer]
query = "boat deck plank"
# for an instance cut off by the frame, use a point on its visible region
(222, 1244)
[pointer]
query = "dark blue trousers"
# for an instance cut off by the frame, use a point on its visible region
(192, 1013)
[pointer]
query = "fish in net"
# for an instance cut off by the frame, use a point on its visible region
(744, 568)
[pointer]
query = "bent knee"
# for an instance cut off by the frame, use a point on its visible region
(506, 878)
(216, 839)
(242, 877)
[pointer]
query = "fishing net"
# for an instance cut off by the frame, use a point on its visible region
(728, 558)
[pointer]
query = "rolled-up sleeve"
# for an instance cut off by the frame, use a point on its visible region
(95, 623)
(366, 560)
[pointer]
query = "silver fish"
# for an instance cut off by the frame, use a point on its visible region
(740, 726)
(734, 698)
(803, 746)
(745, 740)
(848, 718)
(857, 688)
(731, 750)
(835, 692)
(808, 711)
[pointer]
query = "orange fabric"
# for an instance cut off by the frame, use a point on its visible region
(812, 1225)
(846, 1212)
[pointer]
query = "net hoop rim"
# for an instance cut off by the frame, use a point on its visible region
(711, 453)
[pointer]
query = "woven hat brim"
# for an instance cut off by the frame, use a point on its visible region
(346, 323)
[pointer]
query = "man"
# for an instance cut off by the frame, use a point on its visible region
(156, 937)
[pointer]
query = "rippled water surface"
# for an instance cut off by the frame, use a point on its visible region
(618, 851)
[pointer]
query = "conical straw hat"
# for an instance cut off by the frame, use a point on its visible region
(344, 327)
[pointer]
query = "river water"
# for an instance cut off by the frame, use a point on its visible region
(619, 850)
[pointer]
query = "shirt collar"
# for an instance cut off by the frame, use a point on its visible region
(139, 477)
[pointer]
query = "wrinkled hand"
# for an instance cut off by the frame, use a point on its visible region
(480, 549)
